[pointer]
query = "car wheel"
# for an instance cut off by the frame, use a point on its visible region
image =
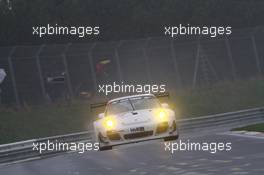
(170, 138)
(103, 148)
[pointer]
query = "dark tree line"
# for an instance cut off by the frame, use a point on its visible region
(120, 19)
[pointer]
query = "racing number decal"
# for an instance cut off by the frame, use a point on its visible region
(137, 129)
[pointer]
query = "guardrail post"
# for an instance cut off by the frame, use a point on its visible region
(145, 55)
(13, 78)
(120, 75)
(256, 54)
(175, 64)
(43, 90)
(231, 60)
(68, 78)
(92, 66)
(197, 60)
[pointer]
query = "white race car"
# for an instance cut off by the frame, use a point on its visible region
(134, 119)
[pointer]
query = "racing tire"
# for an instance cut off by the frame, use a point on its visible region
(105, 148)
(170, 138)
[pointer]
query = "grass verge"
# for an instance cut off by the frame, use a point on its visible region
(256, 127)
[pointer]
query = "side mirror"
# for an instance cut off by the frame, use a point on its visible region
(101, 115)
(165, 105)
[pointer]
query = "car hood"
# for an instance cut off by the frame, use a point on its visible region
(133, 117)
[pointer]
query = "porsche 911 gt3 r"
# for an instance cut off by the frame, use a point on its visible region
(133, 119)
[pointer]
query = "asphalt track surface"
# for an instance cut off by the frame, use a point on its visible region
(246, 157)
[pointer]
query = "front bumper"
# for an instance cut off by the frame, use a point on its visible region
(151, 132)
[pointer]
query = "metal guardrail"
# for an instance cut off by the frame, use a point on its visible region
(24, 150)
(237, 117)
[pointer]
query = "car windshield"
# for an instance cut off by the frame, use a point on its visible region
(119, 107)
(145, 103)
(132, 104)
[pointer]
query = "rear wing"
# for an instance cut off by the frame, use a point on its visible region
(98, 108)
(163, 97)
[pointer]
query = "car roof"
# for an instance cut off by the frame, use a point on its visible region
(131, 96)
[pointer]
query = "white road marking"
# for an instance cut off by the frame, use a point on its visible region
(20, 161)
(242, 135)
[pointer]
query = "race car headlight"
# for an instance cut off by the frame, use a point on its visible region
(109, 123)
(162, 116)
